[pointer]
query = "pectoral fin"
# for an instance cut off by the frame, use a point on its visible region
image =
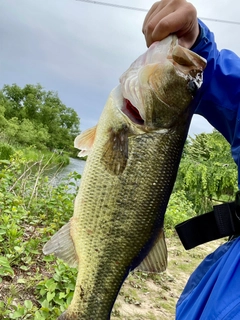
(84, 141)
(115, 153)
(62, 246)
(156, 260)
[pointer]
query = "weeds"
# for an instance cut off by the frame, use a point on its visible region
(31, 211)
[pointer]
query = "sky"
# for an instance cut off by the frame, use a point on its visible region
(81, 49)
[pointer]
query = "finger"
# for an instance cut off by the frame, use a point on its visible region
(153, 22)
(166, 26)
(178, 22)
(189, 38)
(150, 13)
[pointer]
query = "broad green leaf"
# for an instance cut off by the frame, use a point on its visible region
(50, 296)
(28, 304)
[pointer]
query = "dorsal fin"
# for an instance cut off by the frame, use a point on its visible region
(156, 260)
(62, 246)
(85, 140)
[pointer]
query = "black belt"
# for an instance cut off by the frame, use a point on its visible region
(223, 221)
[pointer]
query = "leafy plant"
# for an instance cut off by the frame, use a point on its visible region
(56, 293)
(179, 209)
(6, 151)
(32, 209)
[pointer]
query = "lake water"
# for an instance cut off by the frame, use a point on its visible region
(74, 165)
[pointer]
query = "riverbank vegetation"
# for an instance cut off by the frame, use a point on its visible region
(34, 286)
(31, 209)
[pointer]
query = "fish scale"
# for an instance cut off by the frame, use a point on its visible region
(128, 179)
(113, 224)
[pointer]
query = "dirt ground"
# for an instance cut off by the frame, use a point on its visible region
(153, 297)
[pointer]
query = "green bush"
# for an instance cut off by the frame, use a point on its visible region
(179, 209)
(6, 151)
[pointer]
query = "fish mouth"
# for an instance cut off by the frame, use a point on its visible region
(131, 112)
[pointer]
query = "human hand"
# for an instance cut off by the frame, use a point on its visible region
(171, 16)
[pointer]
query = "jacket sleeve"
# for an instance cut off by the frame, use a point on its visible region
(218, 100)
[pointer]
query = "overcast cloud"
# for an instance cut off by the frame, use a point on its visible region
(80, 49)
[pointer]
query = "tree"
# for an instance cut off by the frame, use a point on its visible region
(39, 111)
(28, 134)
(207, 172)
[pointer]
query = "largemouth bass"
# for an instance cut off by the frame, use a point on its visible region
(133, 157)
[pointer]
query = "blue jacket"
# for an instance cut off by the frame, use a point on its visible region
(213, 290)
(219, 97)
